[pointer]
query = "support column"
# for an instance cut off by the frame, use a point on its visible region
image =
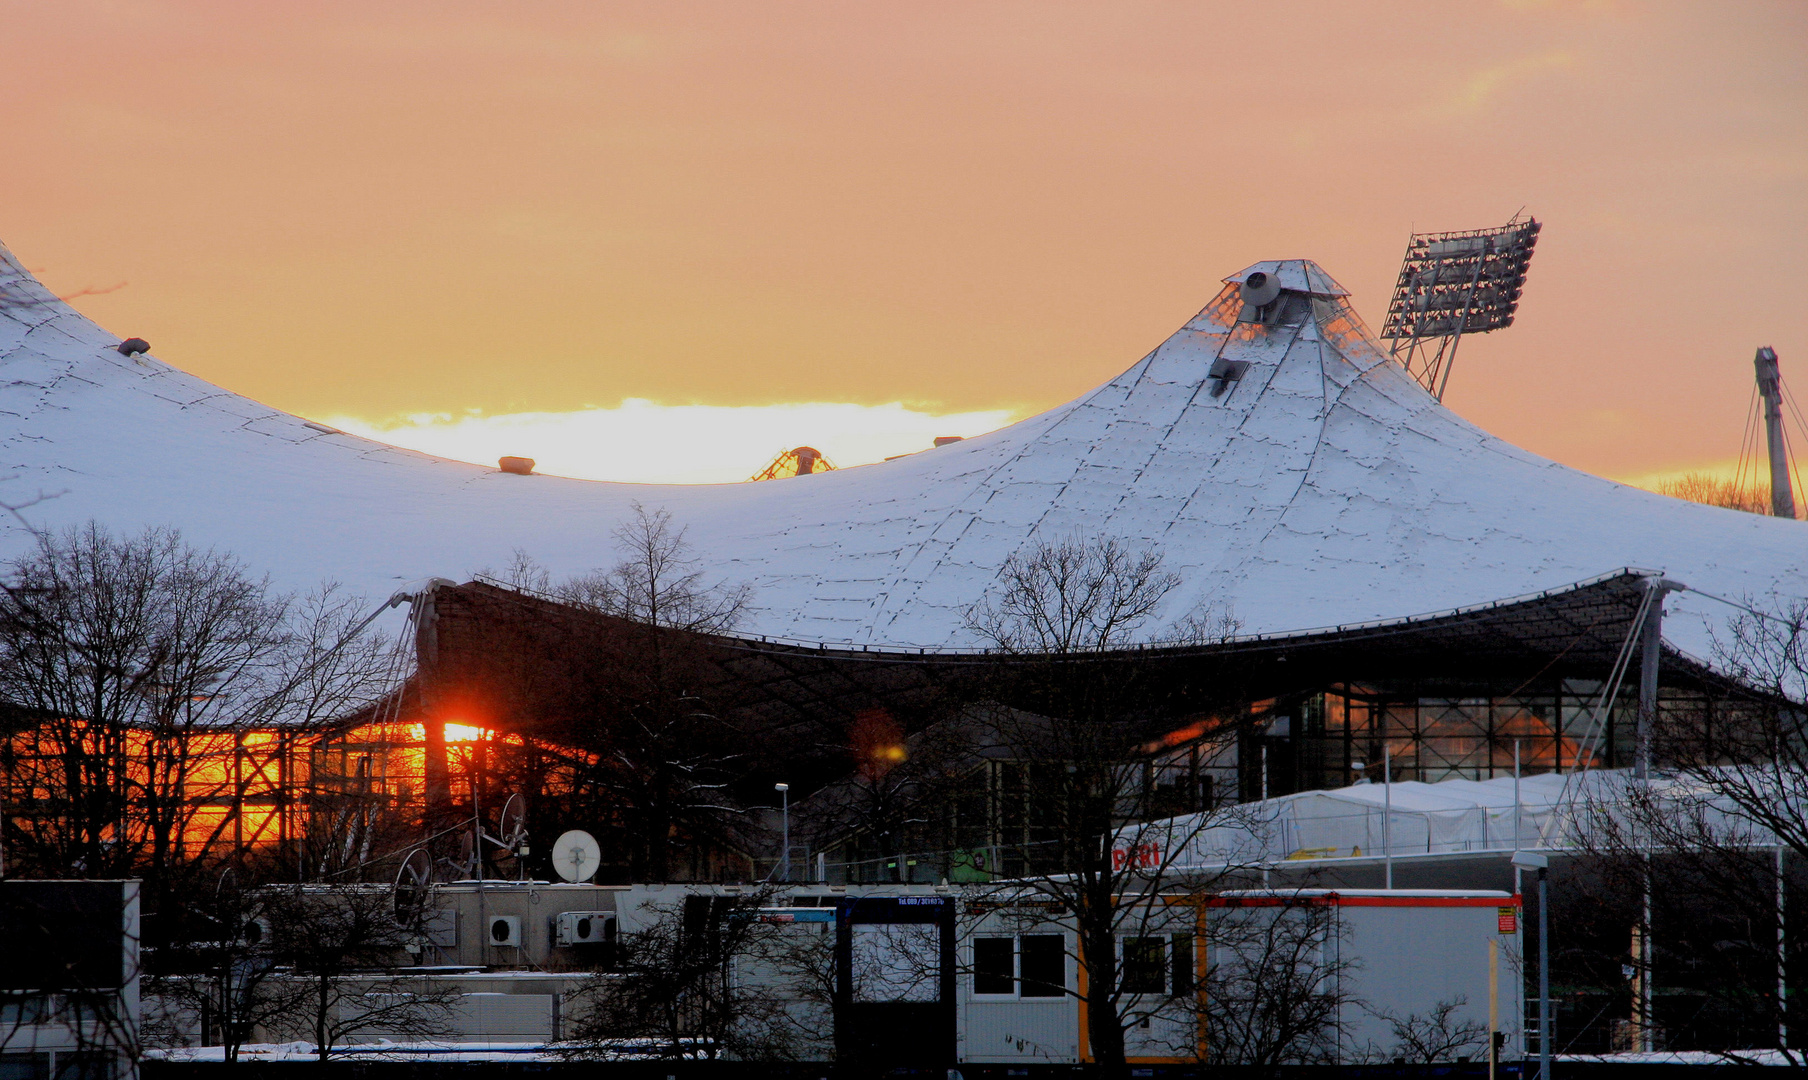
(1545, 1034)
(436, 774)
(1650, 657)
(1782, 955)
(1651, 644)
(1651, 647)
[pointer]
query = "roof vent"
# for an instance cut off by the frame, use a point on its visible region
(520, 466)
(1261, 293)
(1260, 289)
(132, 346)
(1224, 373)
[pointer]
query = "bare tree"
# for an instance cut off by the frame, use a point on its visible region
(1274, 991)
(610, 683)
(678, 987)
(1687, 878)
(223, 985)
(329, 939)
(658, 582)
(134, 669)
(1715, 491)
(667, 754)
(898, 797)
(1084, 832)
(1431, 1038)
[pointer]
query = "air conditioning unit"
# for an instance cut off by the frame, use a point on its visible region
(505, 930)
(256, 932)
(584, 927)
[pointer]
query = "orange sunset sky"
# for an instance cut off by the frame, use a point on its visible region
(457, 212)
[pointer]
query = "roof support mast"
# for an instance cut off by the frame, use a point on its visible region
(1770, 388)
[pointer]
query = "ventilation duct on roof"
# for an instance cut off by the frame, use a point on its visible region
(1261, 293)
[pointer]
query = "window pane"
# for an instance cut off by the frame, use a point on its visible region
(896, 961)
(24, 1066)
(1145, 963)
(1184, 964)
(994, 963)
(1044, 965)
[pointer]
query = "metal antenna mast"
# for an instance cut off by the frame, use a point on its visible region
(1770, 388)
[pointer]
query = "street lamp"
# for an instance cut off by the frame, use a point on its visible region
(784, 792)
(1531, 860)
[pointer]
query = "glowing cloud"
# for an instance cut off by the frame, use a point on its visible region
(645, 442)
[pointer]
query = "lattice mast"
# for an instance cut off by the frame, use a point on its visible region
(801, 461)
(1770, 389)
(1451, 284)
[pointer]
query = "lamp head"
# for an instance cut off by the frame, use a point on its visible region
(1530, 860)
(781, 787)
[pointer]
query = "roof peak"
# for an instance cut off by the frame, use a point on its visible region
(1294, 275)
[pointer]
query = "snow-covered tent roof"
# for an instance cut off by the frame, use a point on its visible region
(1554, 811)
(1325, 487)
(1422, 819)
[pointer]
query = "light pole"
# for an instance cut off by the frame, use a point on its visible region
(784, 858)
(1387, 810)
(1531, 860)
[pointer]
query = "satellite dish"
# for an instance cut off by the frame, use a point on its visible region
(412, 882)
(1260, 289)
(467, 856)
(576, 855)
(514, 821)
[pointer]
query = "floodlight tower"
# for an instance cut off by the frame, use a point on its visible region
(1452, 284)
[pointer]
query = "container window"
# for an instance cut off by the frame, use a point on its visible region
(994, 964)
(1183, 964)
(1044, 965)
(1145, 965)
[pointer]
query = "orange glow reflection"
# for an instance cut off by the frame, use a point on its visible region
(454, 733)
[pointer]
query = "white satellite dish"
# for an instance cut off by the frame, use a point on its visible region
(576, 855)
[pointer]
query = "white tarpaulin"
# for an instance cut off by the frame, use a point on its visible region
(1423, 819)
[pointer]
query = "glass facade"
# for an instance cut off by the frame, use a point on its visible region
(1428, 733)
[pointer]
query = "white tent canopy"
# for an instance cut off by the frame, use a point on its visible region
(1409, 818)
(1325, 487)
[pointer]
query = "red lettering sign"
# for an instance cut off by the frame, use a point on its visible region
(1140, 857)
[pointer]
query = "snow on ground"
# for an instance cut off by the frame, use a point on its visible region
(1689, 1057)
(385, 1050)
(1324, 488)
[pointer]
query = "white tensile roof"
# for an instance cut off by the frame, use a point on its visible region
(1325, 487)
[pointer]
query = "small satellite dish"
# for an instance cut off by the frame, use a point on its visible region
(576, 855)
(412, 883)
(467, 856)
(132, 346)
(1260, 289)
(514, 822)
